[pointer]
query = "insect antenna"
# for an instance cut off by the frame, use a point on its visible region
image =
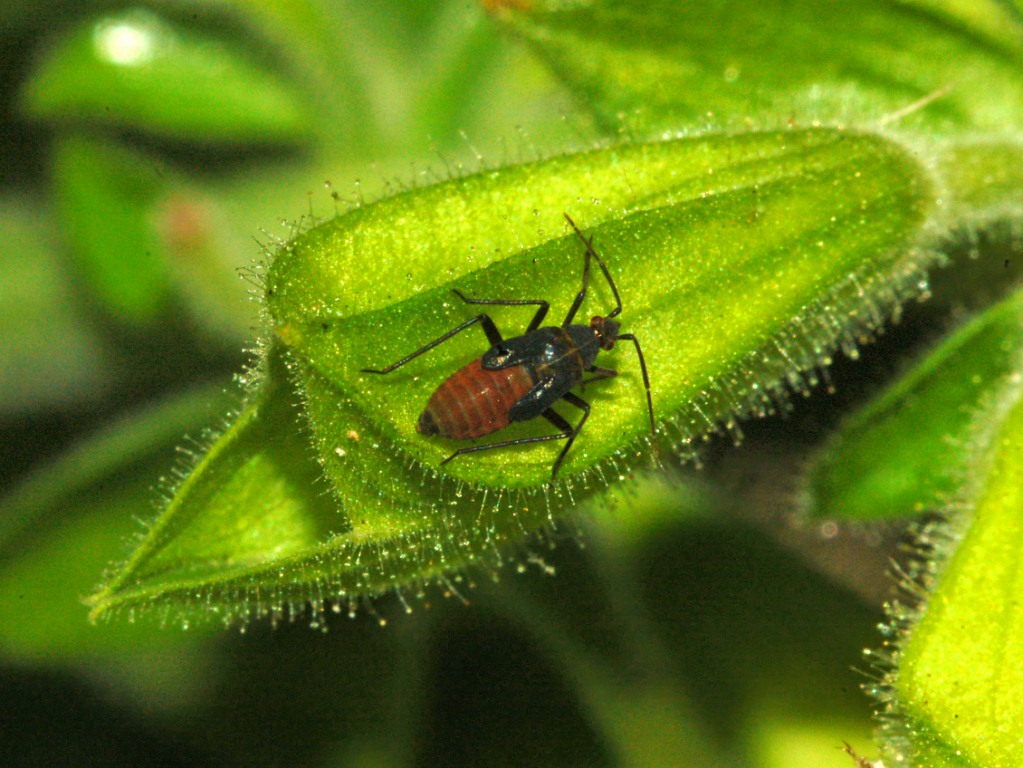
(591, 252)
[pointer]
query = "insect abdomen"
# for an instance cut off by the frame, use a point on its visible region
(474, 401)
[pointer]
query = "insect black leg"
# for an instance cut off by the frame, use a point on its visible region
(520, 440)
(598, 374)
(493, 335)
(554, 418)
(567, 432)
(646, 379)
(541, 311)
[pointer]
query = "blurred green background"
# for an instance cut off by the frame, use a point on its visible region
(150, 157)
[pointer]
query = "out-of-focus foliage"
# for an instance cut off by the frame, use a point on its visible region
(143, 149)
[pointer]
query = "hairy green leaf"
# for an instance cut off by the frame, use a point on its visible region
(742, 261)
(910, 448)
(254, 497)
(958, 687)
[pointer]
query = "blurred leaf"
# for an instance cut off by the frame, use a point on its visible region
(42, 583)
(763, 646)
(742, 260)
(155, 232)
(106, 196)
(137, 70)
(460, 76)
(148, 243)
(911, 447)
(631, 514)
(37, 306)
(330, 65)
(65, 523)
(996, 24)
(644, 720)
(957, 688)
(661, 65)
(15, 14)
(782, 740)
(985, 176)
(200, 245)
(649, 66)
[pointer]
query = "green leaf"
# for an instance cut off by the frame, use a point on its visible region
(36, 307)
(741, 260)
(137, 70)
(958, 689)
(107, 197)
(910, 448)
(647, 66)
(252, 531)
(660, 65)
(984, 177)
(148, 243)
(254, 498)
(61, 526)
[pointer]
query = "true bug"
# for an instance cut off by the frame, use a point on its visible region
(523, 377)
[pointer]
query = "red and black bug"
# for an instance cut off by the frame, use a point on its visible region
(523, 377)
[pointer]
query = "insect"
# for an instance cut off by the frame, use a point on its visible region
(521, 378)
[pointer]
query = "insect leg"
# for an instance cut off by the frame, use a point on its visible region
(646, 378)
(549, 414)
(554, 418)
(598, 374)
(493, 335)
(541, 311)
(567, 432)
